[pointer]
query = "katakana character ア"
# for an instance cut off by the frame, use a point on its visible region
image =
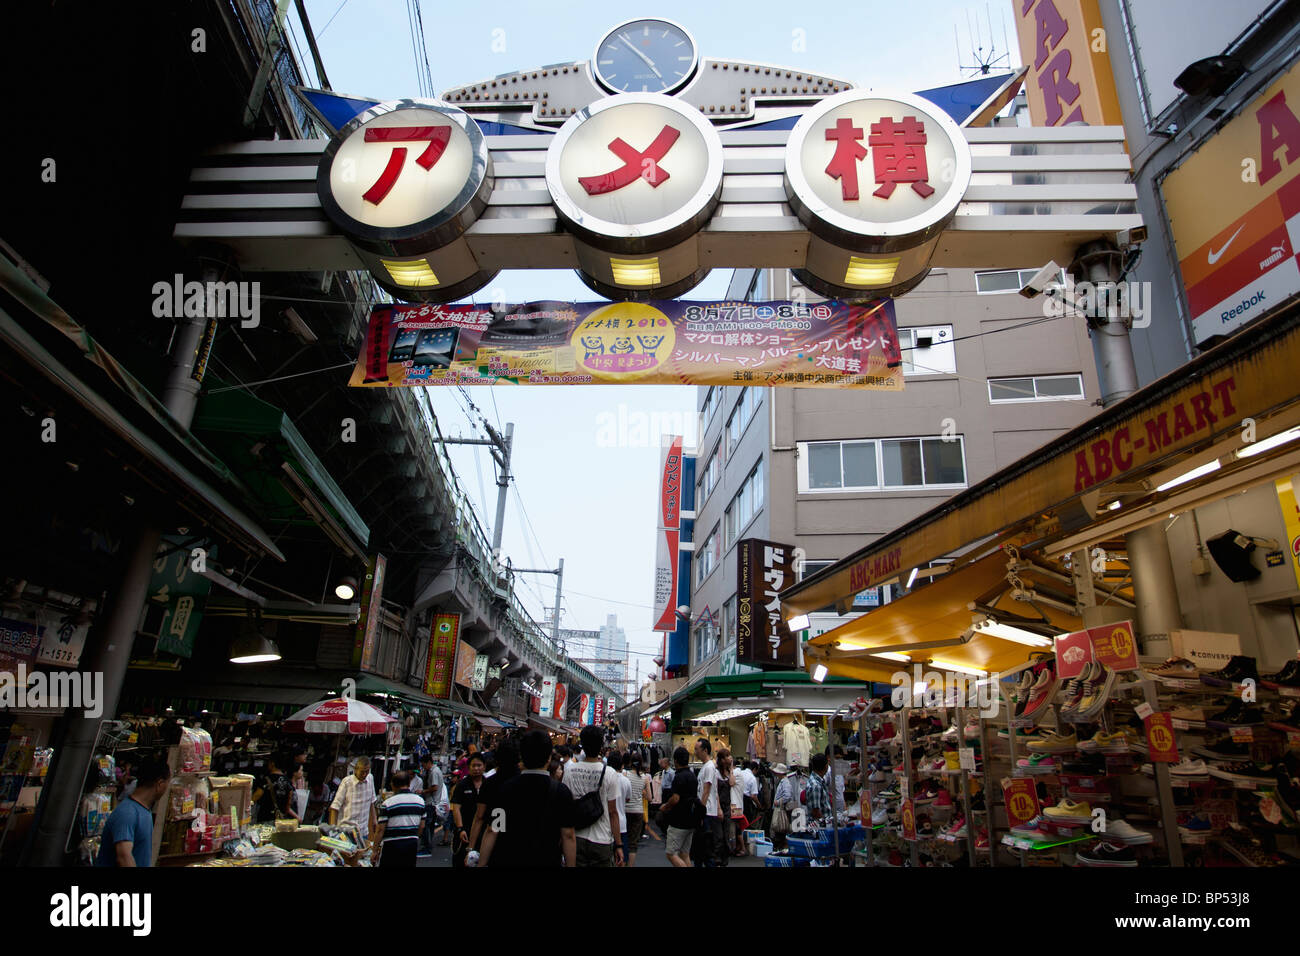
(896, 156)
(437, 136)
(848, 150)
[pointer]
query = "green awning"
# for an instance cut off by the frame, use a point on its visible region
(371, 684)
(291, 482)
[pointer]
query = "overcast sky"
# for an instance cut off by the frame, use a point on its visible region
(592, 504)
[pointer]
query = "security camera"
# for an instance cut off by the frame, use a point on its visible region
(1128, 238)
(1045, 277)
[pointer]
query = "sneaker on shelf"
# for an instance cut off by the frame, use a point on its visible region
(1190, 768)
(1106, 854)
(1237, 714)
(1176, 668)
(1121, 831)
(977, 801)
(1030, 828)
(972, 729)
(890, 792)
(1225, 749)
(951, 760)
(1055, 743)
(1039, 763)
(877, 776)
(1088, 765)
(951, 733)
(1237, 670)
(1067, 811)
(1120, 742)
(1101, 680)
(1246, 771)
(924, 827)
(943, 799)
(1190, 824)
(879, 816)
(1040, 695)
(1193, 715)
(957, 828)
(981, 839)
(1073, 693)
(1288, 676)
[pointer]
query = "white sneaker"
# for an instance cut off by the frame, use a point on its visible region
(1124, 832)
(877, 776)
(1187, 767)
(879, 816)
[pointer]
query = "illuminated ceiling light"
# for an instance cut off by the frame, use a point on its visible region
(819, 673)
(893, 656)
(959, 668)
(870, 271)
(1267, 444)
(411, 273)
(1114, 505)
(346, 589)
(1197, 472)
(728, 713)
(635, 271)
(1009, 633)
(798, 622)
(911, 579)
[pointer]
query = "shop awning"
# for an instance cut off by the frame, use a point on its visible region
(547, 724)
(1064, 490)
(373, 684)
(290, 480)
(491, 723)
(933, 623)
(655, 708)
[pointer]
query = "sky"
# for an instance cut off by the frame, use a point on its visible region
(585, 458)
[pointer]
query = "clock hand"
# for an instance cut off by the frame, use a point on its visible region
(648, 62)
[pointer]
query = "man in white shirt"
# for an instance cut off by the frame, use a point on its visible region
(355, 801)
(712, 834)
(596, 843)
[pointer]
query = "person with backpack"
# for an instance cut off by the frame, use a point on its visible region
(597, 794)
(534, 812)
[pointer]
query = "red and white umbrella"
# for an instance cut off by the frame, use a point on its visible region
(340, 715)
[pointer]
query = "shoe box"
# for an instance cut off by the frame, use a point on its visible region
(1208, 650)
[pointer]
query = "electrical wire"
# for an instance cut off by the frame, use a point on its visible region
(330, 20)
(281, 378)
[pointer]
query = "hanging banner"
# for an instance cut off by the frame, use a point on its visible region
(546, 703)
(479, 679)
(830, 344)
(19, 642)
(598, 717)
(1073, 652)
(763, 568)
(443, 636)
(182, 591)
(466, 658)
(62, 639)
(561, 693)
(1286, 499)
(668, 535)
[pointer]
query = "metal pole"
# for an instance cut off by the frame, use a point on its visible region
(503, 484)
(180, 394)
(830, 735)
(559, 587)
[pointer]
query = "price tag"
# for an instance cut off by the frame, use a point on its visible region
(1243, 735)
(966, 758)
(904, 788)
(1144, 710)
(1181, 724)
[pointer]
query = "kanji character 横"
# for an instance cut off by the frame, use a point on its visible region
(637, 164)
(437, 137)
(898, 155)
(848, 150)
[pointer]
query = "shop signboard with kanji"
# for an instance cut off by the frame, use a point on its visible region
(546, 703)
(443, 638)
(668, 534)
(763, 569)
(181, 591)
(823, 345)
(466, 658)
(19, 642)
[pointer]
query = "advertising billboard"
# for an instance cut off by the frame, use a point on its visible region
(1064, 46)
(668, 535)
(762, 637)
(444, 634)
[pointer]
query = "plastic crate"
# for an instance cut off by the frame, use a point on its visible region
(762, 848)
(787, 861)
(807, 848)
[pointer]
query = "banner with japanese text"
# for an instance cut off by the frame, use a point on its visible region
(763, 569)
(668, 535)
(828, 344)
(443, 637)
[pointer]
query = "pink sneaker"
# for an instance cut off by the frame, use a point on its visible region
(944, 799)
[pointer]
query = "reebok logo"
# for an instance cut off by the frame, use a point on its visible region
(1245, 306)
(75, 910)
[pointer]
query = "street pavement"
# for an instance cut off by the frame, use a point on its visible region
(651, 854)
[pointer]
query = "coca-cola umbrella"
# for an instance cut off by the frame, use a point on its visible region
(338, 715)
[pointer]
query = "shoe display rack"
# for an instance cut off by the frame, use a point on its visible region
(1081, 742)
(1237, 785)
(923, 760)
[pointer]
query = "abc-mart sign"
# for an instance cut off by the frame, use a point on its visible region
(633, 178)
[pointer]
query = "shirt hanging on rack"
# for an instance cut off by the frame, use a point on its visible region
(797, 744)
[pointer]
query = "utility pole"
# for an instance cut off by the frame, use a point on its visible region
(559, 590)
(501, 447)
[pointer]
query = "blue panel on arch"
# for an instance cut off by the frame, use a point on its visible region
(336, 110)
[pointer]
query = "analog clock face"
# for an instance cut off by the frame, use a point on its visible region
(645, 56)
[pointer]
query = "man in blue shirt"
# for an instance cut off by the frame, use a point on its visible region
(128, 835)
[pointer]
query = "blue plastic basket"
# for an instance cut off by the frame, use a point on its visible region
(784, 861)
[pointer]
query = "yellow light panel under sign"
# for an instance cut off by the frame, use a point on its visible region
(870, 271)
(412, 273)
(635, 271)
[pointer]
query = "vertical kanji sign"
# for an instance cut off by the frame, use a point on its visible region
(763, 570)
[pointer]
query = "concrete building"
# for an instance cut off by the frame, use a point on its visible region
(613, 647)
(829, 470)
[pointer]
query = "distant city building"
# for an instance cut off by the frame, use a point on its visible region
(612, 646)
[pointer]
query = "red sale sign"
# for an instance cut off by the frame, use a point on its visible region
(1160, 738)
(1073, 652)
(1021, 800)
(1115, 646)
(908, 814)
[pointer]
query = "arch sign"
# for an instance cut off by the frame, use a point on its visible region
(634, 178)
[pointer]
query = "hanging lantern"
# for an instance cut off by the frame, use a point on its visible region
(658, 726)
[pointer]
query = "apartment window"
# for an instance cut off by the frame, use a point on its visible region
(712, 400)
(706, 639)
(729, 621)
(745, 506)
(1036, 388)
(712, 472)
(706, 556)
(1001, 281)
(882, 463)
(927, 350)
(741, 417)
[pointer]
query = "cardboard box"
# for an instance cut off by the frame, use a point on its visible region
(1207, 650)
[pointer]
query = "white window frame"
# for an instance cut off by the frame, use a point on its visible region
(1022, 277)
(708, 556)
(733, 534)
(746, 407)
(706, 487)
(804, 456)
(940, 354)
(1035, 379)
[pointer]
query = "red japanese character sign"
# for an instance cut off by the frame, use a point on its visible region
(403, 171)
(876, 166)
(634, 167)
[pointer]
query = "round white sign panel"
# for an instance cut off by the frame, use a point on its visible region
(401, 168)
(877, 166)
(635, 165)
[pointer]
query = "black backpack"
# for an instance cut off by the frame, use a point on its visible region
(589, 807)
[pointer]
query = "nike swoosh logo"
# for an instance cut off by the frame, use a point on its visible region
(1216, 256)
